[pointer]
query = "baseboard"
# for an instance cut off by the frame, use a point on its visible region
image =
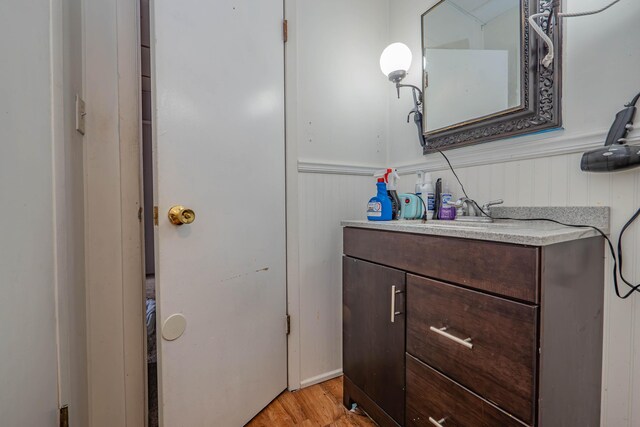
(320, 378)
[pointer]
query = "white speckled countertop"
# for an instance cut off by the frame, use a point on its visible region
(534, 233)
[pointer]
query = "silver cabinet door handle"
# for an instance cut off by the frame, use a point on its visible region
(394, 313)
(437, 423)
(442, 331)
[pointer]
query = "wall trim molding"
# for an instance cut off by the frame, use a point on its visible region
(321, 378)
(336, 168)
(527, 147)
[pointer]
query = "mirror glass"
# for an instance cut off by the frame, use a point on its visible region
(472, 61)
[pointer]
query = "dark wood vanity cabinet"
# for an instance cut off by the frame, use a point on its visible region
(459, 332)
(374, 337)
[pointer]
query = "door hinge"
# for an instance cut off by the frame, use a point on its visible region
(155, 215)
(285, 30)
(288, 328)
(140, 214)
(81, 115)
(64, 416)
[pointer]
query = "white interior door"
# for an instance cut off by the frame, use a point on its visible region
(219, 150)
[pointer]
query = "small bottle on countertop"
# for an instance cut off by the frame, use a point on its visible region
(448, 211)
(419, 183)
(392, 190)
(429, 195)
(379, 207)
(446, 194)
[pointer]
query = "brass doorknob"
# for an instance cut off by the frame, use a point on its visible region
(179, 215)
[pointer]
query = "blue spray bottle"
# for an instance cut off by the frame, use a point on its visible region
(379, 207)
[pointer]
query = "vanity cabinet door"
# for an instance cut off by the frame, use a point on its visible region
(374, 337)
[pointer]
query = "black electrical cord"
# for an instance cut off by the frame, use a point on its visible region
(552, 16)
(617, 262)
(631, 220)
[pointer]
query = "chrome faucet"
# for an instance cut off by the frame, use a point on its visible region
(469, 210)
(465, 207)
(486, 208)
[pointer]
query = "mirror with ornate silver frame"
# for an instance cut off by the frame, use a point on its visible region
(483, 79)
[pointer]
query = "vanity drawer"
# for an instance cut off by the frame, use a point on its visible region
(499, 268)
(432, 397)
(489, 344)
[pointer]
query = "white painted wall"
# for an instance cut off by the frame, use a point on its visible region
(28, 355)
(42, 317)
(342, 94)
(405, 25)
(594, 90)
(336, 112)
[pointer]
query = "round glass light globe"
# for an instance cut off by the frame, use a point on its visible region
(395, 57)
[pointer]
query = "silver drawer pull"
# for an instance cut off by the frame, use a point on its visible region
(437, 423)
(394, 313)
(442, 331)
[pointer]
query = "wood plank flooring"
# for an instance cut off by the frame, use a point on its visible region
(317, 406)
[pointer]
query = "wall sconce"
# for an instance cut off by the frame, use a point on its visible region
(395, 62)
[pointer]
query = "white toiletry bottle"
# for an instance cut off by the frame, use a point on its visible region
(419, 183)
(428, 195)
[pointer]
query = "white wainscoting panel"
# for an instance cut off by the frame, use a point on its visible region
(325, 200)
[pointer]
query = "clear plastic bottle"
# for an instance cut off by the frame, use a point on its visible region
(428, 195)
(446, 194)
(419, 183)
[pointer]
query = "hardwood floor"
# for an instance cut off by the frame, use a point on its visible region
(317, 406)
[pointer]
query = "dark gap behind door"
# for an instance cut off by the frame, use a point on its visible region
(147, 181)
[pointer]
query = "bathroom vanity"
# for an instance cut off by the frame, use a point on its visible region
(473, 325)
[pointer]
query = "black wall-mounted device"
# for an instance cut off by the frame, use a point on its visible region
(616, 154)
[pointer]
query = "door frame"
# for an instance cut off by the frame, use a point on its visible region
(116, 359)
(114, 239)
(292, 198)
